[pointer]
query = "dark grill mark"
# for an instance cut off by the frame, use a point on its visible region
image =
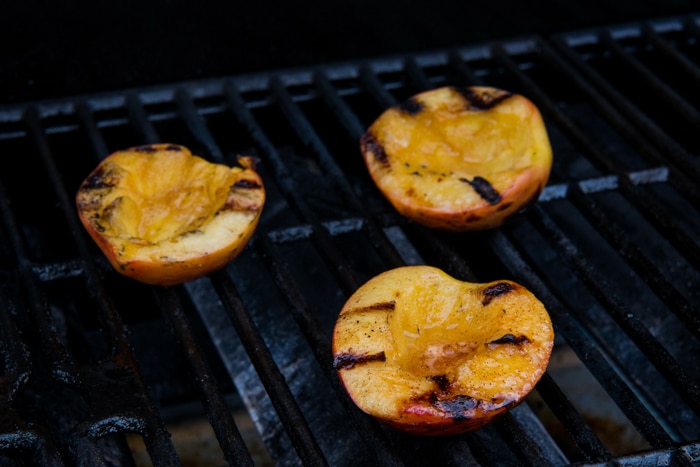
(484, 189)
(442, 382)
(411, 107)
(457, 406)
(246, 184)
(511, 339)
(173, 147)
(481, 101)
(146, 148)
(382, 306)
(495, 290)
(345, 361)
(370, 144)
(96, 181)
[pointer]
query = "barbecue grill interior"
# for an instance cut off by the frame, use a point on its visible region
(101, 370)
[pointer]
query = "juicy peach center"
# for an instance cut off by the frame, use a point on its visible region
(439, 324)
(458, 141)
(163, 195)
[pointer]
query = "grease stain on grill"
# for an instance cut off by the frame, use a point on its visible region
(481, 101)
(411, 107)
(345, 361)
(494, 291)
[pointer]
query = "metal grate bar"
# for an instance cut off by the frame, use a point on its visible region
(308, 135)
(645, 267)
(416, 76)
(678, 177)
(320, 234)
(583, 346)
(530, 451)
(642, 265)
(155, 435)
(513, 428)
(197, 126)
(689, 68)
(646, 204)
(368, 428)
(126, 405)
(599, 92)
(591, 447)
(64, 367)
(220, 418)
(642, 73)
(137, 114)
(374, 86)
(635, 329)
(280, 395)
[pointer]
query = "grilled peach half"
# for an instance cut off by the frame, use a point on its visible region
(432, 355)
(458, 158)
(163, 216)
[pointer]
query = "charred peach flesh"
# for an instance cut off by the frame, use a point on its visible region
(459, 158)
(429, 354)
(164, 216)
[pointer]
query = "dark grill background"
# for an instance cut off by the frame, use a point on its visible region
(611, 249)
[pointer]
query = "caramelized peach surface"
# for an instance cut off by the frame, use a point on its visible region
(459, 158)
(163, 216)
(432, 355)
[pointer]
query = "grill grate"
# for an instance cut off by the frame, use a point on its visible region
(612, 249)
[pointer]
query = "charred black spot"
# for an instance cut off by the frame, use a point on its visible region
(457, 406)
(148, 148)
(246, 184)
(383, 306)
(442, 382)
(98, 179)
(173, 147)
(511, 339)
(370, 144)
(481, 101)
(411, 107)
(484, 188)
(349, 360)
(495, 290)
